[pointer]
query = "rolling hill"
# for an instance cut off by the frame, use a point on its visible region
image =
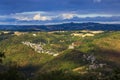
(89, 58)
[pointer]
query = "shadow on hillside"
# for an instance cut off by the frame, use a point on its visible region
(109, 55)
(14, 72)
(25, 74)
(33, 72)
(70, 57)
(29, 70)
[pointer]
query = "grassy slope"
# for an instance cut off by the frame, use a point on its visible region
(106, 47)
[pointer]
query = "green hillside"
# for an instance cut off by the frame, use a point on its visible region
(60, 55)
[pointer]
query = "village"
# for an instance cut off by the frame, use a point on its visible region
(39, 48)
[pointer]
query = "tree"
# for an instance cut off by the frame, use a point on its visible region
(2, 55)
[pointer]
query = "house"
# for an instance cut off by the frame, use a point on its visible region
(88, 35)
(34, 35)
(71, 47)
(19, 33)
(77, 34)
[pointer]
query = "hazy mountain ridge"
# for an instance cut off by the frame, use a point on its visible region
(64, 26)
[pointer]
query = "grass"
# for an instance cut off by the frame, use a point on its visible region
(104, 46)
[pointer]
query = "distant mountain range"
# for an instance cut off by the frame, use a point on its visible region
(60, 27)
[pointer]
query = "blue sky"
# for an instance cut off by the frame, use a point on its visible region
(58, 11)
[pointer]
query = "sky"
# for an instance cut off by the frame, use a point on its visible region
(58, 11)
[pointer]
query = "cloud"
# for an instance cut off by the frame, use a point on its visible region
(21, 18)
(32, 16)
(42, 18)
(67, 16)
(93, 15)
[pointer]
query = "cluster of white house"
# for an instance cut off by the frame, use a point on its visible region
(39, 48)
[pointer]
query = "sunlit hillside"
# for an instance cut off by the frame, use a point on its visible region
(60, 54)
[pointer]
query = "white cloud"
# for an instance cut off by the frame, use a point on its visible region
(29, 16)
(49, 17)
(21, 18)
(72, 15)
(42, 18)
(68, 16)
(93, 15)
